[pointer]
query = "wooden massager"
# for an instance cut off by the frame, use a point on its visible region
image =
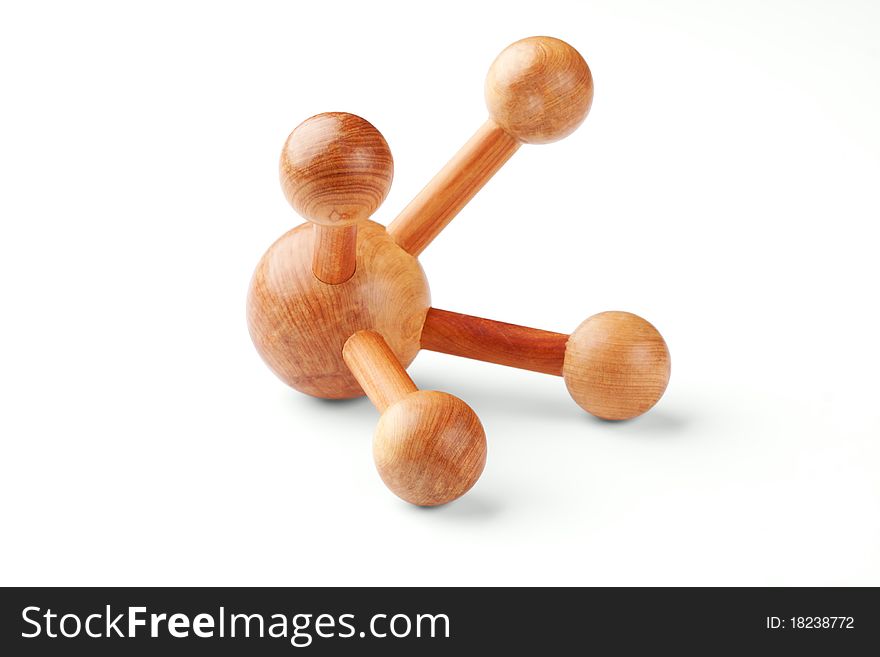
(339, 306)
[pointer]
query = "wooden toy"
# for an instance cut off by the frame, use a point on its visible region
(339, 306)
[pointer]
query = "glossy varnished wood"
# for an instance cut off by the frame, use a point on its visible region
(429, 448)
(539, 90)
(340, 306)
(616, 365)
(335, 169)
(377, 369)
(334, 258)
(494, 342)
(299, 324)
(451, 189)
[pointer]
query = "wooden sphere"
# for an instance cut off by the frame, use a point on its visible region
(299, 324)
(429, 448)
(539, 90)
(616, 365)
(336, 169)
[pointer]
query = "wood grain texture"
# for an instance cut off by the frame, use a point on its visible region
(377, 369)
(336, 169)
(299, 324)
(494, 342)
(616, 365)
(334, 258)
(429, 448)
(451, 189)
(340, 306)
(539, 90)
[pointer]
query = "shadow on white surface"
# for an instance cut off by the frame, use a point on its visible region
(340, 403)
(497, 393)
(520, 399)
(657, 421)
(357, 411)
(474, 506)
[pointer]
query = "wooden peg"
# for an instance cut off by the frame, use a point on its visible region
(377, 369)
(429, 447)
(538, 90)
(451, 189)
(615, 364)
(334, 256)
(336, 169)
(494, 342)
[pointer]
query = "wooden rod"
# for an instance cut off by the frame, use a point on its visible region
(494, 342)
(450, 190)
(377, 369)
(334, 256)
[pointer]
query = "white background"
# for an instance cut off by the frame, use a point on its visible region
(724, 186)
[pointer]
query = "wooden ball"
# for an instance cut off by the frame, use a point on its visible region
(429, 448)
(336, 169)
(616, 365)
(539, 90)
(299, 324)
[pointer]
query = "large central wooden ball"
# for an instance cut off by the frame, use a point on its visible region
(300, 324)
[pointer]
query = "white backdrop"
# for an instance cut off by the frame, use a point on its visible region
(724, 186)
